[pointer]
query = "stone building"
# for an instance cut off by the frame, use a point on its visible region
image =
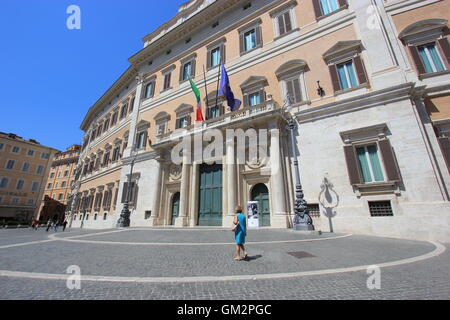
(370, 90)
(24, 166)
(59, 184)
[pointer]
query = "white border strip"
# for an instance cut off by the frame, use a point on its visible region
(48, 276)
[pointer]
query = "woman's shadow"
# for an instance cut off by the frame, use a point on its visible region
(251, 258)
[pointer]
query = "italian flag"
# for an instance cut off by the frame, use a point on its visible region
(199, 114)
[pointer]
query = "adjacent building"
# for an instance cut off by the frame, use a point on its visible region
(59, 184)
(369, 86)
(24, 166)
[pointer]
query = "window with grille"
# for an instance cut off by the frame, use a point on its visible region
(314, 210)
(380, 208)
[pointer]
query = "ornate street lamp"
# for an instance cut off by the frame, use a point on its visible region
(302, 220)
(124, 220)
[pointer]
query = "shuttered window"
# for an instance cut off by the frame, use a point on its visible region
(167, 79)
(347, 75)
(326, 7)
(293, 89)
(250, 39)
(364, 163)
(284, 23)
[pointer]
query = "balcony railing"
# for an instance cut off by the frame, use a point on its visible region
(226, 119)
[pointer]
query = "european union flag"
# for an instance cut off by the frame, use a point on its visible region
(225, 90)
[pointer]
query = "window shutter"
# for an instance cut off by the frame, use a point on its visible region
(259, 39)
(134, 194)
(287, 20)
(342, 3)
(177, 124)
(242, 43)
(246, 100)
(182, 72)
(281, 27)
(390, 164)
(189, 119)
(360, 70)
(208, 59)
(417, 61)
(131, 105)
(444, 142)
(297, 91)
(317, 9)
(222, 54)
(193, 69)
(290, 89)
(352, 165)
(124, 192)
(445, 47)
(222, 109)
(335, 78)
(262, 94)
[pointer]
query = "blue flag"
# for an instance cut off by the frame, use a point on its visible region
(225, 90)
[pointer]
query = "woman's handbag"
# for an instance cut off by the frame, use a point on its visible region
(234, 227)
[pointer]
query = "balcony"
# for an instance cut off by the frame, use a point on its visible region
(227, 120)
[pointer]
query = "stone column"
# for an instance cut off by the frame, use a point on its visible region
(277, 185)
(194, 194)
(182, 220)
(156, 190)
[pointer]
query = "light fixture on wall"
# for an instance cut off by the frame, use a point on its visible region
(320, 90)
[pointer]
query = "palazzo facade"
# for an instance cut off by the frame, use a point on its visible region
(369, 87)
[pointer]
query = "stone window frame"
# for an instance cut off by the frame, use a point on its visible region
(219, 44)
(162, 118)
(38, 183)
(192, 59)
(210, 102)
(117, 144)
(12, 150)
(257, 26)
(318, 11)
(7, 182)
(376, 134)
(6, 164)
(253, 85)
(426, 32)
(342, 52)
(282, 10)
(184, 111)
(141, 128)
(23, 184)
(168, 71)
(27, 168)
(114, 117)
(294, 69)
(123, 109)
(28, 153)
(149, 81)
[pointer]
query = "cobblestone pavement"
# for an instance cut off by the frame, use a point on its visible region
(186, 253)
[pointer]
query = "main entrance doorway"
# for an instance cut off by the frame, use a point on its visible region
(260, 193)
(210, 195)
(175, 207)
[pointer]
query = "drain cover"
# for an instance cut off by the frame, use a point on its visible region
(301, 254)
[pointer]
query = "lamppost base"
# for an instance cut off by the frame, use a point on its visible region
(304, 227)
(124, 220)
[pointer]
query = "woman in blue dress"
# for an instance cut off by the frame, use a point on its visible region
(240, 232)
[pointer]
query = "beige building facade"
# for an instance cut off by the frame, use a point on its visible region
(369, 87)
(59, 184)
(24, 166)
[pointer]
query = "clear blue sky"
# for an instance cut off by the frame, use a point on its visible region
(50, 75)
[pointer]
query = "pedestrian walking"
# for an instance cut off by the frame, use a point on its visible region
(55, 226)
(64, 225)
(240, 231)
(49, 224)
(33, 225)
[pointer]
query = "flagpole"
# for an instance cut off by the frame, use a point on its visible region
(206, 90)
(218, 79)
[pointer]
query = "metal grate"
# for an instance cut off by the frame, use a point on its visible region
(314, 210)
(380, 208)
(301, 254)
